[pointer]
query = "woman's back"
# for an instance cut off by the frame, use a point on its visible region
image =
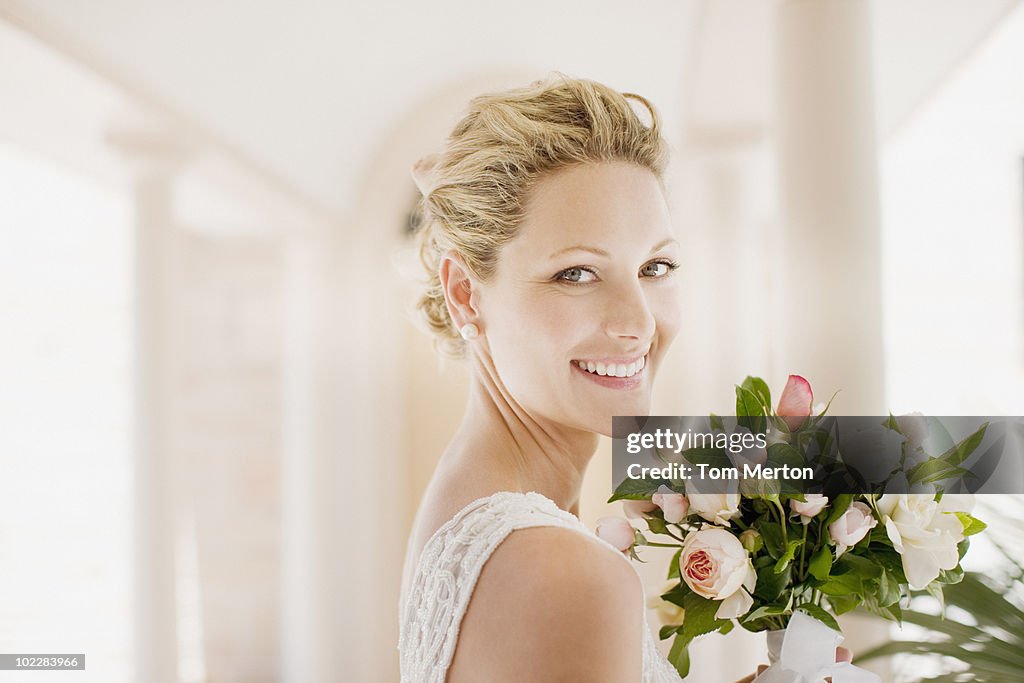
(554, 597)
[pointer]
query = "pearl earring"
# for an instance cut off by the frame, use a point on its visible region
(469, 331)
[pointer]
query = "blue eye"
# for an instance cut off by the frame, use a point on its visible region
(658, 269)
(576, 275)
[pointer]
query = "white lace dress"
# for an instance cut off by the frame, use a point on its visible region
(449, 565)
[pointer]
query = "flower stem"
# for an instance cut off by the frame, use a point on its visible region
(803, 547)
(782, 523)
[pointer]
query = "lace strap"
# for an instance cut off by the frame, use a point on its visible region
(449, 567)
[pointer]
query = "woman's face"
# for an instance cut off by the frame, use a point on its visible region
(584, 303)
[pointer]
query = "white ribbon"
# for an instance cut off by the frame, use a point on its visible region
(809, 656)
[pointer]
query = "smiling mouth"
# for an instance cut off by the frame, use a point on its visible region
(613, 370)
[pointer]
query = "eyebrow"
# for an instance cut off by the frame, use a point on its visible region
(602, 252)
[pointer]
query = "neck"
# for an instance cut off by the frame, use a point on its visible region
(504, 447)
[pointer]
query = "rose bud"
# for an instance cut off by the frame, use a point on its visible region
(751, 540)
(617, 531)
(795, 402)
(812, 504)
(674, 505)
(852, 527)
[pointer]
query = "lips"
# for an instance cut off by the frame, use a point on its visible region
(625, 382)
(613, 367)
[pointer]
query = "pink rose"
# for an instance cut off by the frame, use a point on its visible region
(795, 402)
(812, 504)
(636, 509)
(715, 565)
(616, 531)
(852, 527)
(674, 505)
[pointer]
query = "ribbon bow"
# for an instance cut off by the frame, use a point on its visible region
(809, 656)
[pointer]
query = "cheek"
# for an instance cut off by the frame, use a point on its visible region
(530, 336)
(667, 309)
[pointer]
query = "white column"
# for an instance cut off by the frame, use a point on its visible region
(155, 160)
(313, 648)
(828, 172)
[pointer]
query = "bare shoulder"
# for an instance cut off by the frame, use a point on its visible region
(552, 604)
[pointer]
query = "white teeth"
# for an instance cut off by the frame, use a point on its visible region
(614, 369)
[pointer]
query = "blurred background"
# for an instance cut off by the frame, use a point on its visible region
(216, 418)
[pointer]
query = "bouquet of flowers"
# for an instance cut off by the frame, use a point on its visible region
(767, 560)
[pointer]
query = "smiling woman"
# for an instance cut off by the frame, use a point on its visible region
(550, 259)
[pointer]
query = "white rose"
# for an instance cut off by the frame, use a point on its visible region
(716, 566)
(851, 528)
(717, 508)
(812, 504)
(925, 533)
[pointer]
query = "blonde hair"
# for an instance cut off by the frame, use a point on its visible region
(475, 198)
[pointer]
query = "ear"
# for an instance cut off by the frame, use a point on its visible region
(460, 290)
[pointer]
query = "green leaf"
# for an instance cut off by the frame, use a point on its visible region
(820, 614)
(784, 454)
(636, 489)
(657, 525)
(890, 561)
(839, 506)
(959, 453)
(679, 655)
(677, 595)
(860, 566)
(842, 584)
(972, 525)
(947, 462)
(951, 576)
(821, 563)
(716, 423)
(700, 616)
(770, 584)
(766, 611)
(771, 532)
(841, 604)
(759, 388)
(888, 590)
(673, 566)
(749, 412)
(936, 470)
(788, 556)
(666, 631)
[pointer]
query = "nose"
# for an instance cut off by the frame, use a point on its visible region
(628, 313)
